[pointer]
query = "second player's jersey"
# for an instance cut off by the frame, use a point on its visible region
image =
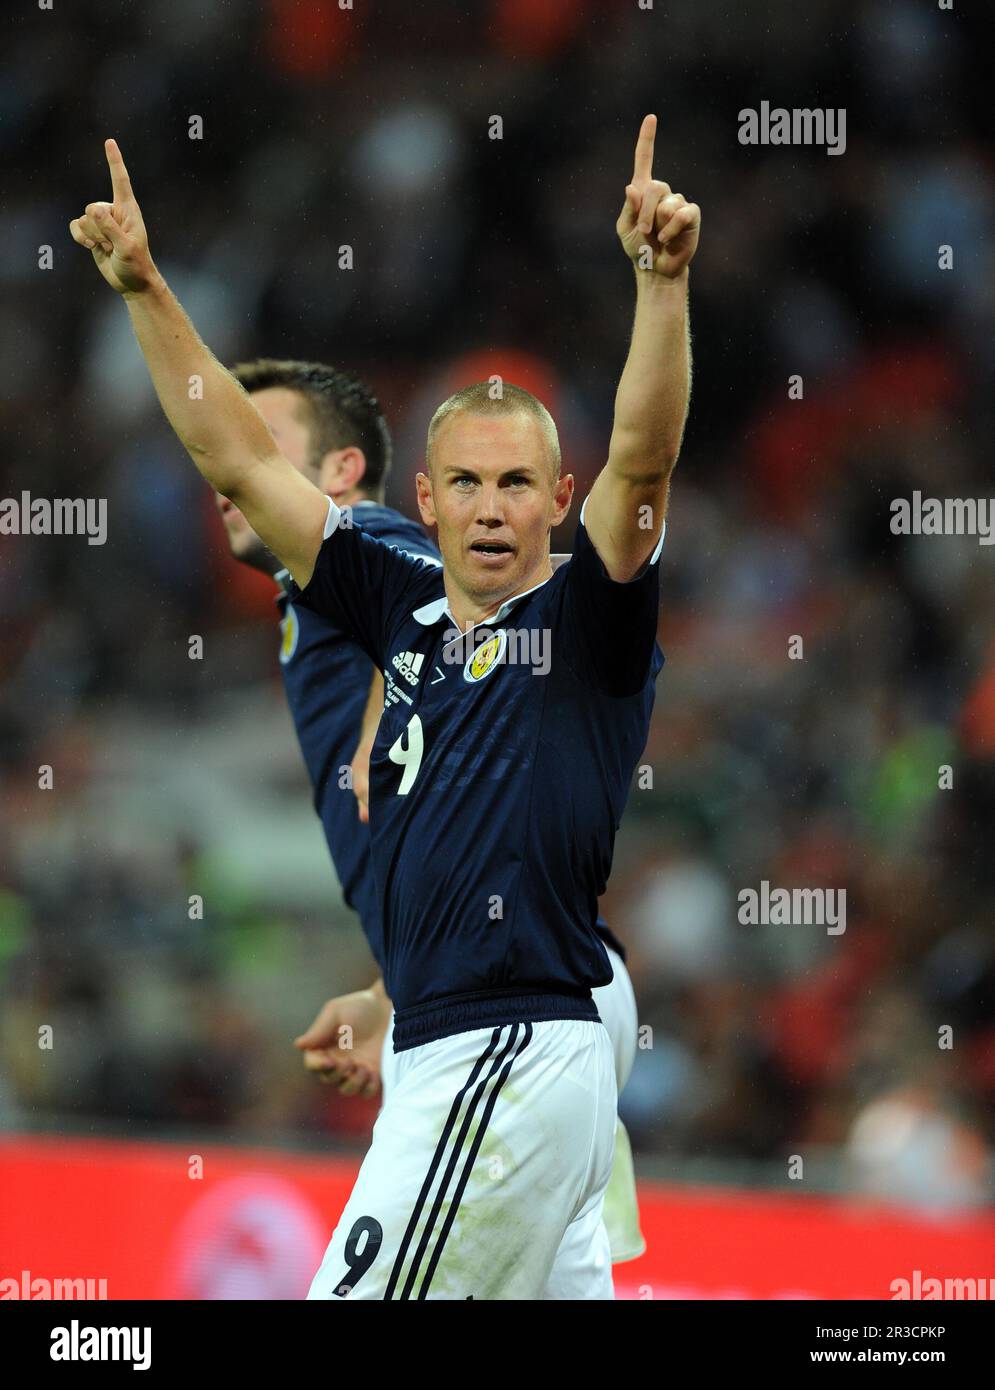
(327, 680)
(498, 777)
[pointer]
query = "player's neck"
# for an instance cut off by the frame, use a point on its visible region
(353, 497)
(261, 559)
(472, 610)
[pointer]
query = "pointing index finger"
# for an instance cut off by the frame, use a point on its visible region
(643, 165)
(120, 182)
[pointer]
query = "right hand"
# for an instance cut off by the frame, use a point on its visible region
(351, 1062)
(115, 232)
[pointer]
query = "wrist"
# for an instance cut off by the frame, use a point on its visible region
(153, 286)
(654, 282)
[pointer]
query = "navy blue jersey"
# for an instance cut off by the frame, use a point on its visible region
(498, 777)
(327, 680)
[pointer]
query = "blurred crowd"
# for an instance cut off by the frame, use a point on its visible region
(166, 907)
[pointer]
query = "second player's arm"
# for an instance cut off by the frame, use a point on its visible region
(361, 757)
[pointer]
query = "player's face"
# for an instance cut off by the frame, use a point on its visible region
(493, 495)
(281, 409)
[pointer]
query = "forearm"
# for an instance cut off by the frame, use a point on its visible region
(372, 713)
(217, 423)
(214, 418)
(651, 403)
(224, 433)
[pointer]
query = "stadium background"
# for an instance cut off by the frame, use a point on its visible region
(175, 777)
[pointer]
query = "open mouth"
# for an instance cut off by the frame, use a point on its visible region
(491, 549)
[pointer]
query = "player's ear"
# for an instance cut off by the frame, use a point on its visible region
(341, 470)
(426, 508)
(562, 497)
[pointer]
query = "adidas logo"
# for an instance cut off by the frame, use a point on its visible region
(408, 664)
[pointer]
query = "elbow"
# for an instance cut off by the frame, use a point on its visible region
(646, 450)
(232, 477)
(642, 466)
(222, 479)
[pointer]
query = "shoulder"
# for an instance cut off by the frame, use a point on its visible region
(607, 627)
(393, 528)
(353, 557)
(585, 552)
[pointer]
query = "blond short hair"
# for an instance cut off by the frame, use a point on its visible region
(496, 398)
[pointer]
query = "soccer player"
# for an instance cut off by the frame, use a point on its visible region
(329, 425)
(496, 785)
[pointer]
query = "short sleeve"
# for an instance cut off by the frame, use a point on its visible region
(363, 585)
(608, 629)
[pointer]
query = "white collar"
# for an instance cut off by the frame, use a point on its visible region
(434, 612)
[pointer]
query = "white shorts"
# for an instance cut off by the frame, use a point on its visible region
(617, 1006)
(492, 1150)
(616, 1003)
(617, 1219)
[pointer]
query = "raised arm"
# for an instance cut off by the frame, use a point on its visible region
(213, 416)
(625, 511)
(361, 757)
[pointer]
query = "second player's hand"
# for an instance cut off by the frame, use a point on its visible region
(655, 218)
(360, 768)
(344, 1043)
(115, 232)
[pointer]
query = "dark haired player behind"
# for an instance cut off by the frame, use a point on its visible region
(331, 427)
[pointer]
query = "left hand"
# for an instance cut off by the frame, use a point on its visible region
(359, 1019)
(360, 768)
(653, 216)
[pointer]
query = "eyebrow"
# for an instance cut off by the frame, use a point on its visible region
(455, 470)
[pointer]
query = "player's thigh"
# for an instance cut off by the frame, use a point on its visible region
(582, 1266)
(616, 1004)
(487, 1146)
(582, 1269)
